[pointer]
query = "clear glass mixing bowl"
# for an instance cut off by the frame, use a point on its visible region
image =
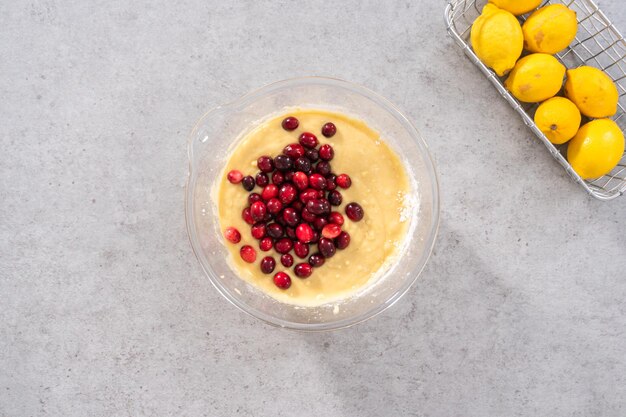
(219, 130)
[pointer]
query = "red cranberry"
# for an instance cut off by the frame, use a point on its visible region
(297, 205)
(268, 264)
(247, 216)
(265, 163)
(308, 194)
(331, 231)
(262, 179)
(326, 152)
(269, 191)
(343, 181)
(301, 249)
(287, 193)
(247, 253)
(336, 218)
(258, 230)
(318, 206)
(335, 198)
(266, 244)
(290, 123)
(304, 232)
(283, 245)
(278, 177)
(323, 167)
(248, 183)
(316, 260)
(300, 180)
(317, 181)
(319, 223)
(291, 216)
(275, 230)
(291, 232)
(274, 205)
(253, 198)
(307, 216)
(326, 247)
(312, 155)
(316, 236)
(303, 164)
(232, 235)
(303, 270)
(294, 150)
(267, 216)
(258, 211)
(343, 240)
(234, 176)
(283, 162)
(288, 176)
(354, 212)
(329, 130)
(282, 280)
(308, 140)
(330, 182)
(286, 260)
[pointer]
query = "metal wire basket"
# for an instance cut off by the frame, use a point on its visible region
(598, 43)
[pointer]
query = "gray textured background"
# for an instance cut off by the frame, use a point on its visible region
(104, 310)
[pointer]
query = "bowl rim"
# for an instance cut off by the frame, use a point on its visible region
(430, 238)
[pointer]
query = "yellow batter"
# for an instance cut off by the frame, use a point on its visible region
(379, 184)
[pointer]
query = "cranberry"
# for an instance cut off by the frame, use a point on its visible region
(316, 236)
(232, 235)
(318, 206)
(304, 232)
(308, 194)
(275, 230)
(329, 130)
(308, 140)
(326, 152)
(323, 167)
(326, 247)
(307, 216)
(279, 219)
(294, 150)
(282, 280)
(267, 216)
(286, 260)
(303, 270)
(301, 249)
(247, 253)
(265, 163)
(283, 162)
(343, 181)
(269, 191)
(287, 193)
(234, 176)
(330, 182)
(319, 223)
(290, 123)
(258, 230)
(253, 198)
(258, 211)
(354, 212)
(291, 216)
(335, 198)
(297, 205)
(303, 164)
(262, 179)
(288, 175)
(316, 260)
(317, 181)
(266, 244)
(300, 180)
(331, 231)
(278, 177)
(312, 155)
(336, 218)
(274, 205)
(268, 264)
(343, 240)
(247, 216)
(283, 245)
(248, 183)
(291, 232)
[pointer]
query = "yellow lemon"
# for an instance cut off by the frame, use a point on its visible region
(497, 39)
(596, 149)
(592, 91)
(558, 119)
(517, 7)
(550, 29)
(536, 77)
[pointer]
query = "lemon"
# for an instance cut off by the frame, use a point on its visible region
(517, 7)
(592, 91)
(596, 149)
(536, 77)
(550, 29)
(497, 39)
(558, 119)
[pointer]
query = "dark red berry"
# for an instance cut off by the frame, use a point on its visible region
(291, 216)
(247, 216)
(326, 152)
(308, 140)
(279, 219)
(317, 181)
(316, 236)
(323, 167)
(304, 233)
(287, 193)
(286, 260)
(290, 123)
(343, 240)
(248, 183)
(301, 249)
(254, 197)
(307, 216)
(331, 231)
(303, 164)
(283, 162)
(275, 230)
(318, 206)
(283, 245)
(265, 163)
(308, 194)
(326, 247)
(300, 180)
(312, 155)
(234, 176)
(274, 206)
(316, 260)
(262, 179)
(268, 264)
(330, 182)
(258, 230)
(294, 150)
(269, 191)
(247, 253)
(329, 130)
(258, 211)
(266, 244)
(291, 232)
(335, 198)
(232, 235)
(288, 175)
(354, 212)
(343, 181)
(336, 218)
(297, 205)
(303, 270)
(278, 177)
(282, 280)
(319, 223)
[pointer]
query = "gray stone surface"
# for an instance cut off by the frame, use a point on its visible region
(104, 310)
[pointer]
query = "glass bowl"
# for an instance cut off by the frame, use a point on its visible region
(219, 130)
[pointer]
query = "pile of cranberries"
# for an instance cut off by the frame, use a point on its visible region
(293, 210)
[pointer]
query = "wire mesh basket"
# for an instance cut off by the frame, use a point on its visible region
(598, 43)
